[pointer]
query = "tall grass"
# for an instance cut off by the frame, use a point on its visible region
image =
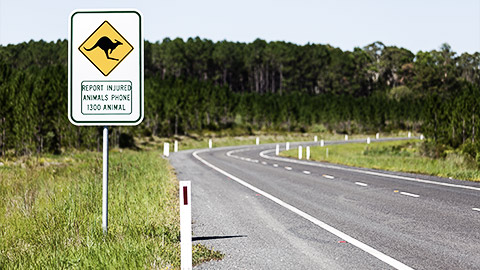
(402, 156)
(50, 213)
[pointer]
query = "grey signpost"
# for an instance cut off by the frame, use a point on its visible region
(105, 74)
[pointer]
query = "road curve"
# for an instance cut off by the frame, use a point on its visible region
(266, 212)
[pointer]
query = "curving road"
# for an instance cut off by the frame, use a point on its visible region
(268, 212)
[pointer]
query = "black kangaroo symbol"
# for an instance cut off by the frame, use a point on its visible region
(106, 44)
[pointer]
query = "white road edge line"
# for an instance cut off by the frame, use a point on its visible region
(328, 176)
(306, 172)
(263, 155)
(476, 209)
(379, 255)
(410, 194)
(361, 184)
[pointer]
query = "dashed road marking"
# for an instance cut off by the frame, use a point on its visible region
(476, 209)
(361, 184)
(306, 172)
(410, 194)
(328, 176)
(264, 163)
(275, 165)
(288, 168)
(263, 154)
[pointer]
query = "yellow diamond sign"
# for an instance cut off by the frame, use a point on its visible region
(105, 48)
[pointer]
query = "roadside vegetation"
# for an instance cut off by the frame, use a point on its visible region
(225, 138)
(50, 213)
(413, 156)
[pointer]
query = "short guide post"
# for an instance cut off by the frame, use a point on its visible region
(209, 143)
(175, 147)
(300, 150)
(185, 225)
(166, 149)
(307, 154)
(322, 143)
(277, 150)
(287, 146)
(257, 141)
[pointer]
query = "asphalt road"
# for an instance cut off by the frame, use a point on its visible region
(267, 212)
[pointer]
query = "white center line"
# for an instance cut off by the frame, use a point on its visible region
(377, 254)
(476, 209)
(264, 155)
(275, 165)
(306, 172)
(410, 194)
(288, 168)
(328, 176)
(361, 184)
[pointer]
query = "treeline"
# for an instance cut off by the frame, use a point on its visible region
(197, 85)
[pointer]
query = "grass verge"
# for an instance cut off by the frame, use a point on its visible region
(196, 141)
(401, 156)
(50, 213)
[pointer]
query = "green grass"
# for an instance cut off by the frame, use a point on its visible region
(402, 156)
(50, 213)
(197, 141)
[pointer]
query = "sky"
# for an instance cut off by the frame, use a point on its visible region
(412, 24)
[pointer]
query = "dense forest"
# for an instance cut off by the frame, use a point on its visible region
(197, 85)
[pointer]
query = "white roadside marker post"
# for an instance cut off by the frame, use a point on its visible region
(209, 143)
(307, 154)
(368, 140)
(185, 225)
(166, 149)
(346, 137)
(257, 141)
(327, 153)
(287, 146)
(409, 134)
(377, 136)
(315, 138)
(300, 150)
(422, 137)
(105, 182)
(175, 147)
(277, 150)
(322, 143)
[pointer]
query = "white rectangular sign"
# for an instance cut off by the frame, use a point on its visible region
(105, 68)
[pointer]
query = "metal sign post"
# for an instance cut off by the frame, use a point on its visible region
(105, 181)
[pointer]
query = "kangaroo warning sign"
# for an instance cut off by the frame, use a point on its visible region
(105, 73)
